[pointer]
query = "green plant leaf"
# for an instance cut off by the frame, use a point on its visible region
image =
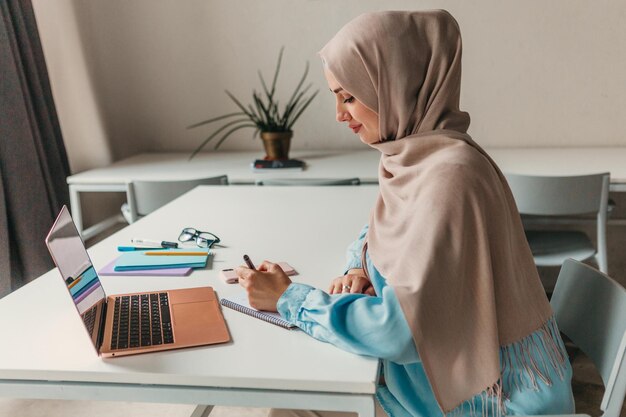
(217, 145)
(295, 92)
(199, 148)
(257, 116)
(290, 109)
(263, 109)
(264, 112)
(243, 109)
(275, 114)
(258, 112)
(215, 119)
(270, 94)
(267, 92)
(280, 58)
(306, 104)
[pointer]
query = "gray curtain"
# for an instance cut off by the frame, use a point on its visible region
(33, 162)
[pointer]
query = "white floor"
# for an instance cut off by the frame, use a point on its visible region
(57, 408)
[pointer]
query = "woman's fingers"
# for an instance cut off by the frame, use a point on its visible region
(354, 284)
(244, 273)
(351, 284)
(357, 285)
(346, 284)
(266, 266)
(345, 287)
(370, 291)
(338, 287)
(264, 288)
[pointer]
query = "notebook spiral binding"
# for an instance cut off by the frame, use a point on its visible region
(258, 314)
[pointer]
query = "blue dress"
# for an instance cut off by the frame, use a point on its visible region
(536, 376)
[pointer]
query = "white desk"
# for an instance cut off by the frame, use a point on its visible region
(325, 164)
(45, 351)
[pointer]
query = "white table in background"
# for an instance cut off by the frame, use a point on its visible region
(45, 351)
(176, 166)
(564, 161)
(327, 164)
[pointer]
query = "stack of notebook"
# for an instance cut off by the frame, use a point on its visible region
(166, 262)
(264, 165)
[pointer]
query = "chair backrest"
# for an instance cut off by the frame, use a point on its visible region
(563, 196)
(146, 196)
(590, 309)
(309, 181)
(559, 196)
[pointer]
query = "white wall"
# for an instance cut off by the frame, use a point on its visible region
(77, 103)
(72, 85)
(547, 73)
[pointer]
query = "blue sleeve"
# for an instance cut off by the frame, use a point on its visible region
(366, 325)
(353, 253)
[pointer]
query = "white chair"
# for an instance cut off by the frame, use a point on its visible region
(308, 181)
(143, 197)
(558, 197)
(590, 309)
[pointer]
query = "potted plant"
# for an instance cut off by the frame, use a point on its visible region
(264, 116)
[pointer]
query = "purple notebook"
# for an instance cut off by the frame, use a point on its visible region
(176, 272)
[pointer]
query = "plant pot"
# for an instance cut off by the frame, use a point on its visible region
(276, 144)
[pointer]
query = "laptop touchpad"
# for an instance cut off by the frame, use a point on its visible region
(193, 315)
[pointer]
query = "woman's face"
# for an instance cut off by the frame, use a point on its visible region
(361, 119)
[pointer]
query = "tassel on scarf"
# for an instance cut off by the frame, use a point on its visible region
(527, 354)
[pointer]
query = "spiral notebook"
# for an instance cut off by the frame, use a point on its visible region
(240, 303)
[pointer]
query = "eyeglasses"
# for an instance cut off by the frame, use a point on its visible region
(203, 239)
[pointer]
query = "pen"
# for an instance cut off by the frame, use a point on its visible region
(154, 243)
(246, 258)
(134, 248)
(165, 253)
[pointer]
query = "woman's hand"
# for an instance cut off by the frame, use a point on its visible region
(354, 282)
(264, 285)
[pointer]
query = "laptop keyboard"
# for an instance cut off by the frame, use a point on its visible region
(141, 320)
(89, 318)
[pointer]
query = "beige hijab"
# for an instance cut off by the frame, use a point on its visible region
(445, 230)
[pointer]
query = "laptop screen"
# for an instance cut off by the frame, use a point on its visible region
(70, 256)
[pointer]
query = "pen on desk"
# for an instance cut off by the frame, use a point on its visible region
(154, 243)
(164, 253)
(248, 262)
(134, 248)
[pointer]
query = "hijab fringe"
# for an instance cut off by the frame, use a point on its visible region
(524, 353)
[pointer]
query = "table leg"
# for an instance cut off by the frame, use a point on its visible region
(75, 207)
(367, 409)
(77, 212)
(202, 411)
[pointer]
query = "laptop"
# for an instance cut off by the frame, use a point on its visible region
(128, 324)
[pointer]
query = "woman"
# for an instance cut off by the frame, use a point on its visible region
(443, 287)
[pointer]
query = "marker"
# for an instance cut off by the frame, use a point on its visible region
(166, 253)
(134, 248)
(248, 262)
(154, 243)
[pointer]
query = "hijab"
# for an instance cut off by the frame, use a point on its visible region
(445, 230)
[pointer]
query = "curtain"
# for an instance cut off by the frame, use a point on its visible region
(33, 162)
